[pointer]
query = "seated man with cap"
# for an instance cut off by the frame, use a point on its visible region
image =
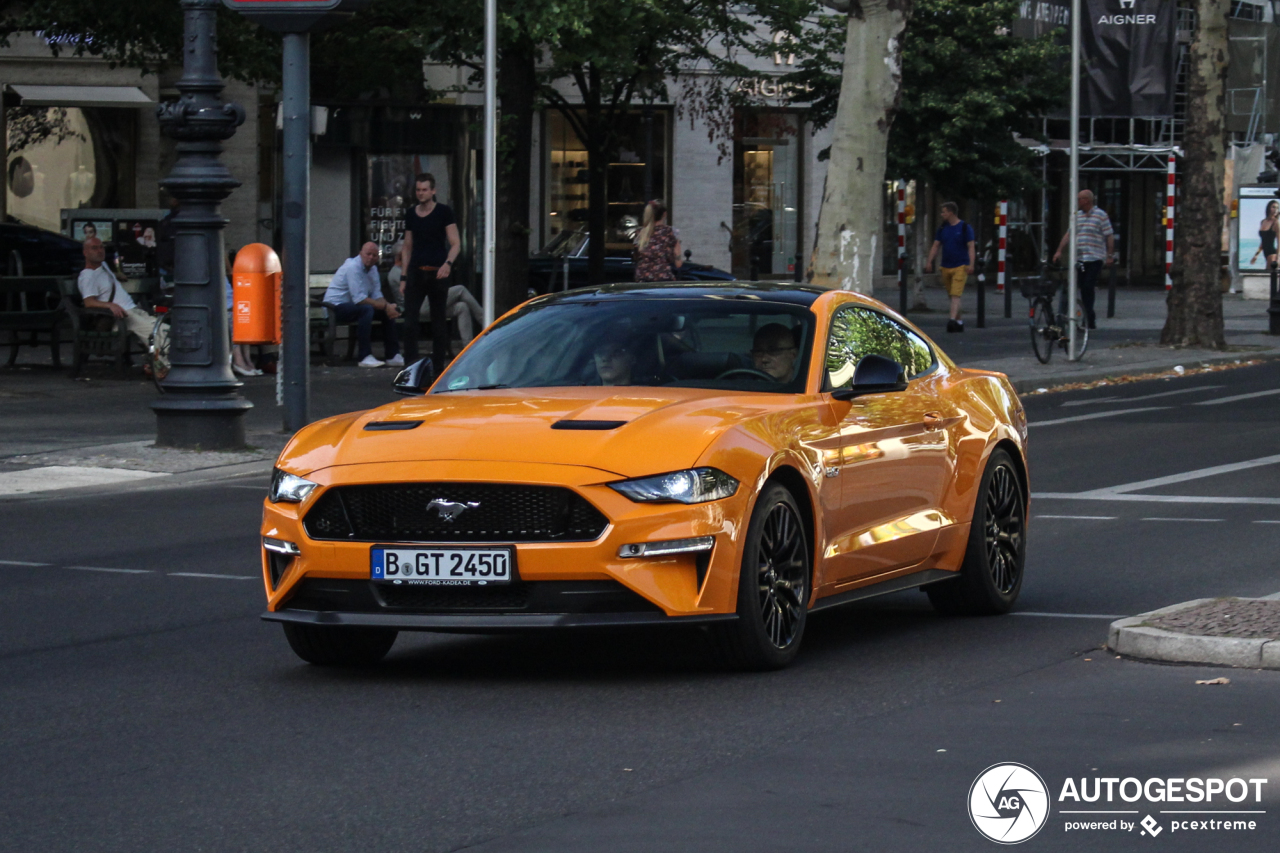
(355, 296)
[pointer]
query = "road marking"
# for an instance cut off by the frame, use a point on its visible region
(1143, 397)
(1275, 596)
(204, 575)
(54, 477)
(1157, 518)
(117, 571)
(1095, 415)
(1232, 399)
(1081, 517)
(1198, 474)
(20, 563)
(1066, 615)
(262, 489)
(1103, 495)
(1267, 521)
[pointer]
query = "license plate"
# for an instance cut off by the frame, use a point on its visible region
(442, 566)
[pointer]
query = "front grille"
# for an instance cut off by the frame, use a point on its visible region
(481, 512)
(509, 597)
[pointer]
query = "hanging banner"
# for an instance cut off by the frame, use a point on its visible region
(1128, 52)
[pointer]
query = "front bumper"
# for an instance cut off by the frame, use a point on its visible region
(663, 589)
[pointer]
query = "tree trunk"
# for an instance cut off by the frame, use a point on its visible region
(517, 88)
(1195, 302)
(847, 251)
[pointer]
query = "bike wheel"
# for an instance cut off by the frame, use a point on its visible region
(158, 351)
(1042, 335)
(1082, 331)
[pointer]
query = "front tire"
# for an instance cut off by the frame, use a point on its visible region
(991, 576)
(773, 588)
(329, 646)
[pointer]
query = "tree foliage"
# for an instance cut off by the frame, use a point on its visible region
(968, 85)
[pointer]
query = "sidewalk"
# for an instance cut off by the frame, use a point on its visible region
(1126, 344)
(1239, 632)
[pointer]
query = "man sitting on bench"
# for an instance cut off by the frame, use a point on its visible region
(355, 296)
(99, 289)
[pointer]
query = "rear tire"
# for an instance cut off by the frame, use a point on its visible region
(329, 646)
(773, 588)
(991, 575)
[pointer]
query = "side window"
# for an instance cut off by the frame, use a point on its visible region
(858, 332)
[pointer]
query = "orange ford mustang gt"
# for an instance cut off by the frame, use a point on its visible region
(735, 456)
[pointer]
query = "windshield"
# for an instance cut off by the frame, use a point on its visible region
(699, 342)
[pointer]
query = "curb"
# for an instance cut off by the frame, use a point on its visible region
(1130, 638)
(1022, 386)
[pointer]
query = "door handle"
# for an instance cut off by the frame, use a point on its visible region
(933, 420)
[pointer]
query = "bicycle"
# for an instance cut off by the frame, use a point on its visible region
(1050, 327)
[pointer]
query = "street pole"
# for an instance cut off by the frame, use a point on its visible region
(490, 157)
(1073, 253)
(202, 407)
(295, 347)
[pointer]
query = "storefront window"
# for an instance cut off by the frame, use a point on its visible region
(391, 179)
(766, 195)
(568, 189)
(66, 157)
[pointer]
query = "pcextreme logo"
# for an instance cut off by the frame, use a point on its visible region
(1009, 803)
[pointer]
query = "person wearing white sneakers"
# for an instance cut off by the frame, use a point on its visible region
(355, 296)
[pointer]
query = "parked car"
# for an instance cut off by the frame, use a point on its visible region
(733, 456)
(27, 250)
(546, 267)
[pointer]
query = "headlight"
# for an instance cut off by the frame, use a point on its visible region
(289, 488)
(694, 486)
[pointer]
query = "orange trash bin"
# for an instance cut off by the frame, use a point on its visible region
(255, 296)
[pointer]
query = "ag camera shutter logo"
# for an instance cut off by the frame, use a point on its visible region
(1008, 803)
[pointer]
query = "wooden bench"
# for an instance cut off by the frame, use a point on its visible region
(97, 333)
(32, 311)
(325, 327)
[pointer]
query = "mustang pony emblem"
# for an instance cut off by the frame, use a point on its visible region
(450, 510)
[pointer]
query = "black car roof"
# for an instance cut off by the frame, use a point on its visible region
(764, 291)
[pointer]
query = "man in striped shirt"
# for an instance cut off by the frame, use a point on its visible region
(1097, 247)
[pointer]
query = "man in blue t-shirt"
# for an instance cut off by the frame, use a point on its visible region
(955, 240)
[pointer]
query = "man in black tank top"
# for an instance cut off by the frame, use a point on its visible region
(431, 245)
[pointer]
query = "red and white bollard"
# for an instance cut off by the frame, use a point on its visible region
(902, 246)
(1002, 220)
(1168, 224)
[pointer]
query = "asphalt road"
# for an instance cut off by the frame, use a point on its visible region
(143, 705)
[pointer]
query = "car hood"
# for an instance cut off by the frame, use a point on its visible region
(661, 429)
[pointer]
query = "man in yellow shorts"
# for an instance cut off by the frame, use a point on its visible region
(955, 240)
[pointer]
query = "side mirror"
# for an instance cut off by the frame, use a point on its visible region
(415, 379)
(874, 374)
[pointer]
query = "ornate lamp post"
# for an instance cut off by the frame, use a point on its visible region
(202, 406)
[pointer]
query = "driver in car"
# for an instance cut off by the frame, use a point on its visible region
(774, 351)
(614, 363)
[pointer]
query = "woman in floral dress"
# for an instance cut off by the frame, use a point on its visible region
(657, 246)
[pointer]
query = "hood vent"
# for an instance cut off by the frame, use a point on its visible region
(376, 426)
(598, 425)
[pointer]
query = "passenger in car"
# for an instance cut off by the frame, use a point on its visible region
(774, 351)
(614, 363)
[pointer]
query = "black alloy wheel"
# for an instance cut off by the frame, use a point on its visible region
(991, 576)
(773, 588)
(323, 645)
